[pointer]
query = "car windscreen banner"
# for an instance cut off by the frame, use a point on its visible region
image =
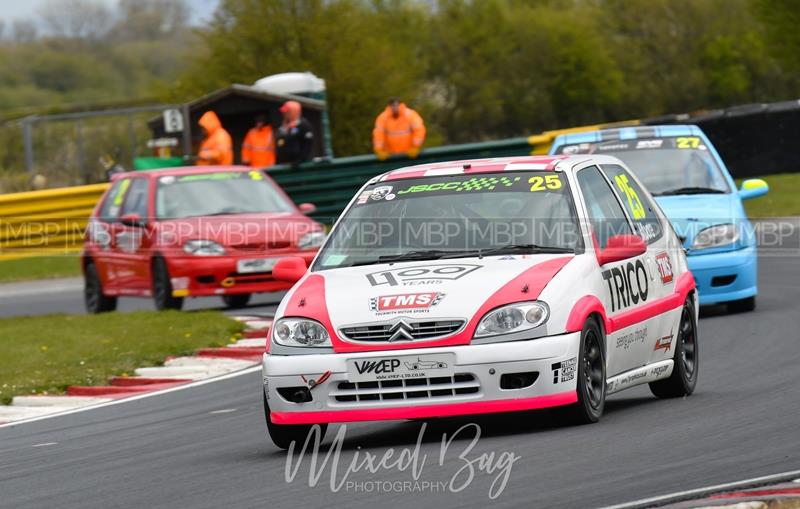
(611, 146)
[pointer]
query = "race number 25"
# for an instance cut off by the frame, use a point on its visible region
(637, 209)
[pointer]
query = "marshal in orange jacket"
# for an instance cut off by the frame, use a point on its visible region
(258, 149)
(217, 147)
(401, 134)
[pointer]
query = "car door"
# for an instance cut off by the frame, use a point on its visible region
(131, 241)
(101, 232)
(625, 283)
(660, 257)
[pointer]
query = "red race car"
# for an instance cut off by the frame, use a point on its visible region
(192, 232)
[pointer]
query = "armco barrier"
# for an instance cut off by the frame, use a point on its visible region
(45, 222)
(53, 221)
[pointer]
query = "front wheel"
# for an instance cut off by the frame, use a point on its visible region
(95, 300)
(591, 381)
(236, 301)
(162, 287)
(683, 379)
(283, 435)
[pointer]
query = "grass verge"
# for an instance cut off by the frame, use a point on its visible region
(39, 267)
(45, 354)
(783, 198)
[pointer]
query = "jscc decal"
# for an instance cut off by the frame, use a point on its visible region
(664, 267)
(405, 301)
(377, 367)
(420, 275)
(627, 284)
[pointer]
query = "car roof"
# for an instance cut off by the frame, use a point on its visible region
(491, 165)
(627, 133)
(178, 171)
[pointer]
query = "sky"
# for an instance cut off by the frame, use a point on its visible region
(16, 9)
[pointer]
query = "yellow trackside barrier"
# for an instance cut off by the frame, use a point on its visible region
(45, 222)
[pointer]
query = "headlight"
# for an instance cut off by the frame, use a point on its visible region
(513, 318)
(716, 236)
(203, 248)
(300, 332)
(310, 240)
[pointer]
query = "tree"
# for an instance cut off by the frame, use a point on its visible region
(76, 19)
(147, 20)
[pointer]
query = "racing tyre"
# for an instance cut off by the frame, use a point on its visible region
(236, 301)
(683, 379)
(591, 378)
(742, 306)
(162, 287)
(95, 300)
(283, 435)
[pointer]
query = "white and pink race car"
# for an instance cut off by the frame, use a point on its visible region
(480, 286)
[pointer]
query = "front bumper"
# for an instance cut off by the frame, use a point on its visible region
(724, 277)
(480, 367)
(205, 276)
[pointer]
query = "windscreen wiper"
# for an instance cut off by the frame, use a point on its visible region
(525, 248)
(421, 254)
(690, 190)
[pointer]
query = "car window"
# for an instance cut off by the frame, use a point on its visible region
(136, 198)
(113, 204)
(606, 216)
(640, 208)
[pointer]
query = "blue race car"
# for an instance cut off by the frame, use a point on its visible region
(689, 180)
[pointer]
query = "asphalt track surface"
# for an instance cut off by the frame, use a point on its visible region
(66, 296)
(206, 447)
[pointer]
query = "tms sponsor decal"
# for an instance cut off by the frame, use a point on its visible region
(627, 284)
(664, 343)
(420, 275)
(664, 265)
(564, 368)
(625, 341)
(418, 302)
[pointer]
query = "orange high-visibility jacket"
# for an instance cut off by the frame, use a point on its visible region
(217, 147)
(258, 149)
(398, 135)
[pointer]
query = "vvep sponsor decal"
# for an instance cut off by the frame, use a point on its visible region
(377, 367)
(664, 265)
(405, 302)
(627, 284)
(421, 274)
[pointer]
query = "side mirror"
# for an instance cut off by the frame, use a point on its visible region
(621, 247)
(133, 220)
(289, 269)
(753, 188)
(307, 208)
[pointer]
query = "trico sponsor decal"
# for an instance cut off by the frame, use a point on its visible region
(625, 341)
(564, 368)
(664, 265)
(421, 274)
(405, 302)
(664, 343)
(627, 284)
